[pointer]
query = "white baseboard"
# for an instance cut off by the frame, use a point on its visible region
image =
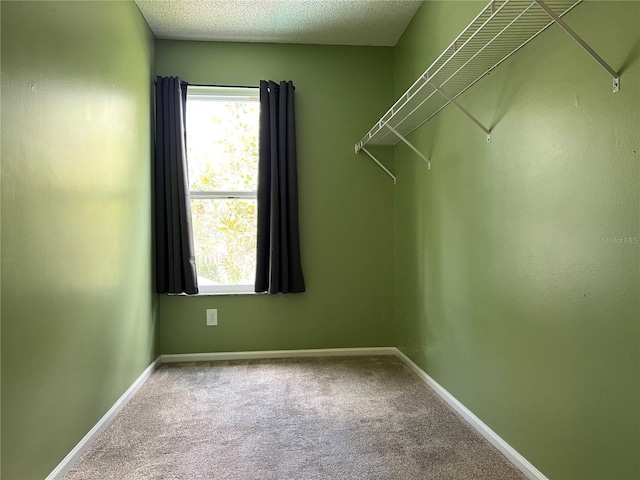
(320, 352)
(507, 450)
(65, 465)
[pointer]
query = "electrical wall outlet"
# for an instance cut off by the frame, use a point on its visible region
(212, 317)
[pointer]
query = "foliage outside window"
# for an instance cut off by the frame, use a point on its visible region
(222, 153)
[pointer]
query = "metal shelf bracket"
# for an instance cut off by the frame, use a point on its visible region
(361, 148)
(585, 46)
(410, 145)
(463, 110)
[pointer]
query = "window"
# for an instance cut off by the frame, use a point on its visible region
(222, 154)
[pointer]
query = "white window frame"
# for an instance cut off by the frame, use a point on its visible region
(226, 94)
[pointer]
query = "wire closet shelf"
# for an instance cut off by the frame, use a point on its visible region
(499, 30)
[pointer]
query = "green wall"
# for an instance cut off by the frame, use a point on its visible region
(509, 285)
(508, 292)
(78, 313)
(346, 203)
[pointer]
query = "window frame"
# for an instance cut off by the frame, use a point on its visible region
(227, 94)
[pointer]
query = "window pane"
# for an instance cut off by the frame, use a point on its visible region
(224, 235)
(222, 144)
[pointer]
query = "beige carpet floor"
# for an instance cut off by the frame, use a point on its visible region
(305, 419)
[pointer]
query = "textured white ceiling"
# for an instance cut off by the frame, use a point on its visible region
(327, 22)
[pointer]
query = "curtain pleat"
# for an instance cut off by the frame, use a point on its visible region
(278, 267)
(175, 258)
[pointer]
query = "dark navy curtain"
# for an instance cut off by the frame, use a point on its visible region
(278, 267)
(175, 259)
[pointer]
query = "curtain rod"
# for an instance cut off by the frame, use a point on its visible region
(230, 86)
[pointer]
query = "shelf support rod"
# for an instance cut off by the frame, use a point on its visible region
(410, 145)
(582, 43)
(464, 110)
(359, 147)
